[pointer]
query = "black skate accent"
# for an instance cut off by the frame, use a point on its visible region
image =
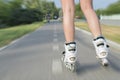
(70, 43)
(107, 46)
(101, 44)
(99, 38)
(106, 64)
(72, 49)
(69, 50)
(63, 52)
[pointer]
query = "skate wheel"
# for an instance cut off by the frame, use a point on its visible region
(105, 64)
(71, 67)
(63, 57)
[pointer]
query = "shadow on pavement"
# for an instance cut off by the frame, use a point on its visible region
(114, 63)
(83, 68)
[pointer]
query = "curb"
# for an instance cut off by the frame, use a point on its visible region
(113, 44)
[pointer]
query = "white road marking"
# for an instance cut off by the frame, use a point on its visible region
(55, 47)
(55, 28)
(55, 40)
(55, 35)
(56, 66)
(55, 32)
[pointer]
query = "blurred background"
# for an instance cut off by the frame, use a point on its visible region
(16, 12)
(20, 12)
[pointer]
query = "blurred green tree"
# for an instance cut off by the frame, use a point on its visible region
(113, 8)
(78, 11)
(15, 12)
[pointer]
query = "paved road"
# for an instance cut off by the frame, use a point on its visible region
(111, 22)
(106, 22)
(37, 57)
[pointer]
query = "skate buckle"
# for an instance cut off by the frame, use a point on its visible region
(103, 54)
(72, 58)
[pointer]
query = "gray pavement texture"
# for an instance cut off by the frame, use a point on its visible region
(111, 22)
(104, 21)
(38, 57)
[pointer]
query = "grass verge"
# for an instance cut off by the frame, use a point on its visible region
(9, 34)
(110, 32)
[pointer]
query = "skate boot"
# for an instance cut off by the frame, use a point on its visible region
(69, 56)
(101, 50)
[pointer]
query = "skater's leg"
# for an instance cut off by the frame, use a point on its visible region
(68, 19)
(92, 19)
(94, 25)
(68, 25)
(69, 57)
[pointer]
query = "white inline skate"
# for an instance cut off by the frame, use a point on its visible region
(101, 50)
(69, 56)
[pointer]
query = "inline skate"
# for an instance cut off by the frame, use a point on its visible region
(69, 56)
(101, 48)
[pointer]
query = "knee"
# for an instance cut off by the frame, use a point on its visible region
(68, 10)
(86, 7)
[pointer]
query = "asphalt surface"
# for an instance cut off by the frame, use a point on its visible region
(37, 56)
(111, 22)
(104, 21)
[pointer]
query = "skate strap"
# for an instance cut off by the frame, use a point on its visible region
(70, 43)
(69, 50)
(101, 44)
(98, 38)
(72, 49)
